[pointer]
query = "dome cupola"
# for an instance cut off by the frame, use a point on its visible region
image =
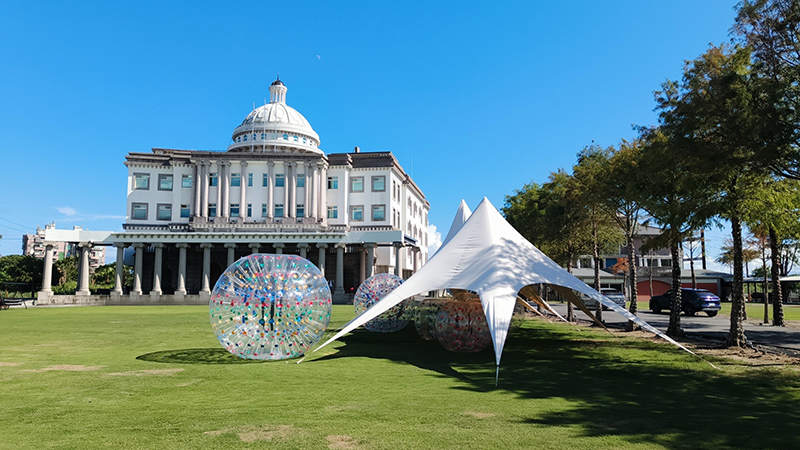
(275, 128)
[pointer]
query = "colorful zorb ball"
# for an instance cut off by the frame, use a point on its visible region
(425, 317)
(461, 326)
(270, 307)
(370, 292)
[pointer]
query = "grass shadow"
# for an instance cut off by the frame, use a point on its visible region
(196, 356)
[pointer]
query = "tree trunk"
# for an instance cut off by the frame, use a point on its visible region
(736, 337)
(674, 329)
(777, 292)
(766, 297)
(634, 306)
(596, 255)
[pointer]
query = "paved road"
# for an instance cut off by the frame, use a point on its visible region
(708, 327)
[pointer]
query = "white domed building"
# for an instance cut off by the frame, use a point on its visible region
(190, 214)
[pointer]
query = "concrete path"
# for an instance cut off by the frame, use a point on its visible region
(700, 325)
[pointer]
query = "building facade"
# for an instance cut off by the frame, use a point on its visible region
(34, 245)
(190, 214)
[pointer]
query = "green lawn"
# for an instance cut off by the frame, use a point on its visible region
(156, 378)
(756, 311)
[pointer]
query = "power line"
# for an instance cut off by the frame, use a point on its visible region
(15, 223)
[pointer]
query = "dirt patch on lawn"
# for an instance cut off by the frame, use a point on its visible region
(259, 433)
(748, 356)
(10, 364)
(66, 368)
(144, 373)
(341, 442)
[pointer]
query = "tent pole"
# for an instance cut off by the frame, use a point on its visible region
(497, 375)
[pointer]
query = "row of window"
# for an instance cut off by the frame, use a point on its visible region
(273, 136)
(139, 211)
(142, 181)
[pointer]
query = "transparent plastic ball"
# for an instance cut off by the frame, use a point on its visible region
(425, 317)
(270, 307)
(372, 290)
(461, 326)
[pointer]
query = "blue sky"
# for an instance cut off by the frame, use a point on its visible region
(474, 98)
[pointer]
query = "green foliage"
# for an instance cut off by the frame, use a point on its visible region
(67, 269)
(21, 269)
(65, 288)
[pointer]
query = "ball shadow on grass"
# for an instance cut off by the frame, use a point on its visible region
(196, 356)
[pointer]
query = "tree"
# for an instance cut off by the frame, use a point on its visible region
(67, 269)
(678, 198)
(21, 269)
(715, 115)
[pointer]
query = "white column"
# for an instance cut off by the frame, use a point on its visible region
(138, 249)
(339, 288)
(47, 271)
(370, 259)
(322, 192)
(303, 250)
(181, 268)
(292, 188)
(321, 259)
(204, 173)
(398, 260)
(157, 269)
(83, 282)
(231, 246)
(306, 196)
(362, 265)
(242, 191)
(311, 184)
(118, 273)
(254, 246)
(219, 190)
(270, 189)
(206, 289)
(224, 186)
(286, 189)
(195, 190)
(279, 246)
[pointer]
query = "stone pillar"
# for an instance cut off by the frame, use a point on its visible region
(311, 193)
(370, 259)
(415, 255)
(159, 259)
(291, 185)
(206, 289)
(303, 250)
(231, 246)
(47, 271)
(224, 186)
(219, 191)
(195, 190)
(285, 189)
(362, 265)
(323, 192)
(254, 246)
(321, 260)
(83, 280)
(242, 191)
(339, 288)
(138, 249)
(279, 246)
(398, 259)
(119, 274)
(181, 291)
(270, 188)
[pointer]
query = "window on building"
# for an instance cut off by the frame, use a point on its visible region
(666, 262)
(265, 180)
(301, 180)
(278, 210)
(333, 212)
(379, 183)
(333, 182)
(234, 210)
(164, 182)
(378, 213)
(249, 180)
(236, 179)
(164, 211)
(357, 184)
(263, 210)
(280, 180)
(139, 211)
(301, 211)
(141, 181)
(185, 211)
(212, 210)
(212, 179)
(186, 181)
(357, 213)
(249, 210)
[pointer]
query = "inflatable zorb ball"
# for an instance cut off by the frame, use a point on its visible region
(270, 307)
(461, 326)
(370, 292)
(425, 318)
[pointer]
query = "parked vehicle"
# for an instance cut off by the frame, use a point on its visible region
(692, 302)
(611, 294)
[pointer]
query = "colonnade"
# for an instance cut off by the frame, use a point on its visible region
(313, 191)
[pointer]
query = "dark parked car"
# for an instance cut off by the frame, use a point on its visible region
(692, 301)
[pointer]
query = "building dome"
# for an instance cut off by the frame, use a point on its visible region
(275, 128)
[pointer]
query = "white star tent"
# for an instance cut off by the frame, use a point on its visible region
(485, 254)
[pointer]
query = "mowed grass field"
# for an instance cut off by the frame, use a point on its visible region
(756, 311)
(156, 378)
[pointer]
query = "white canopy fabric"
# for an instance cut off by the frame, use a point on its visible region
(488, 256)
